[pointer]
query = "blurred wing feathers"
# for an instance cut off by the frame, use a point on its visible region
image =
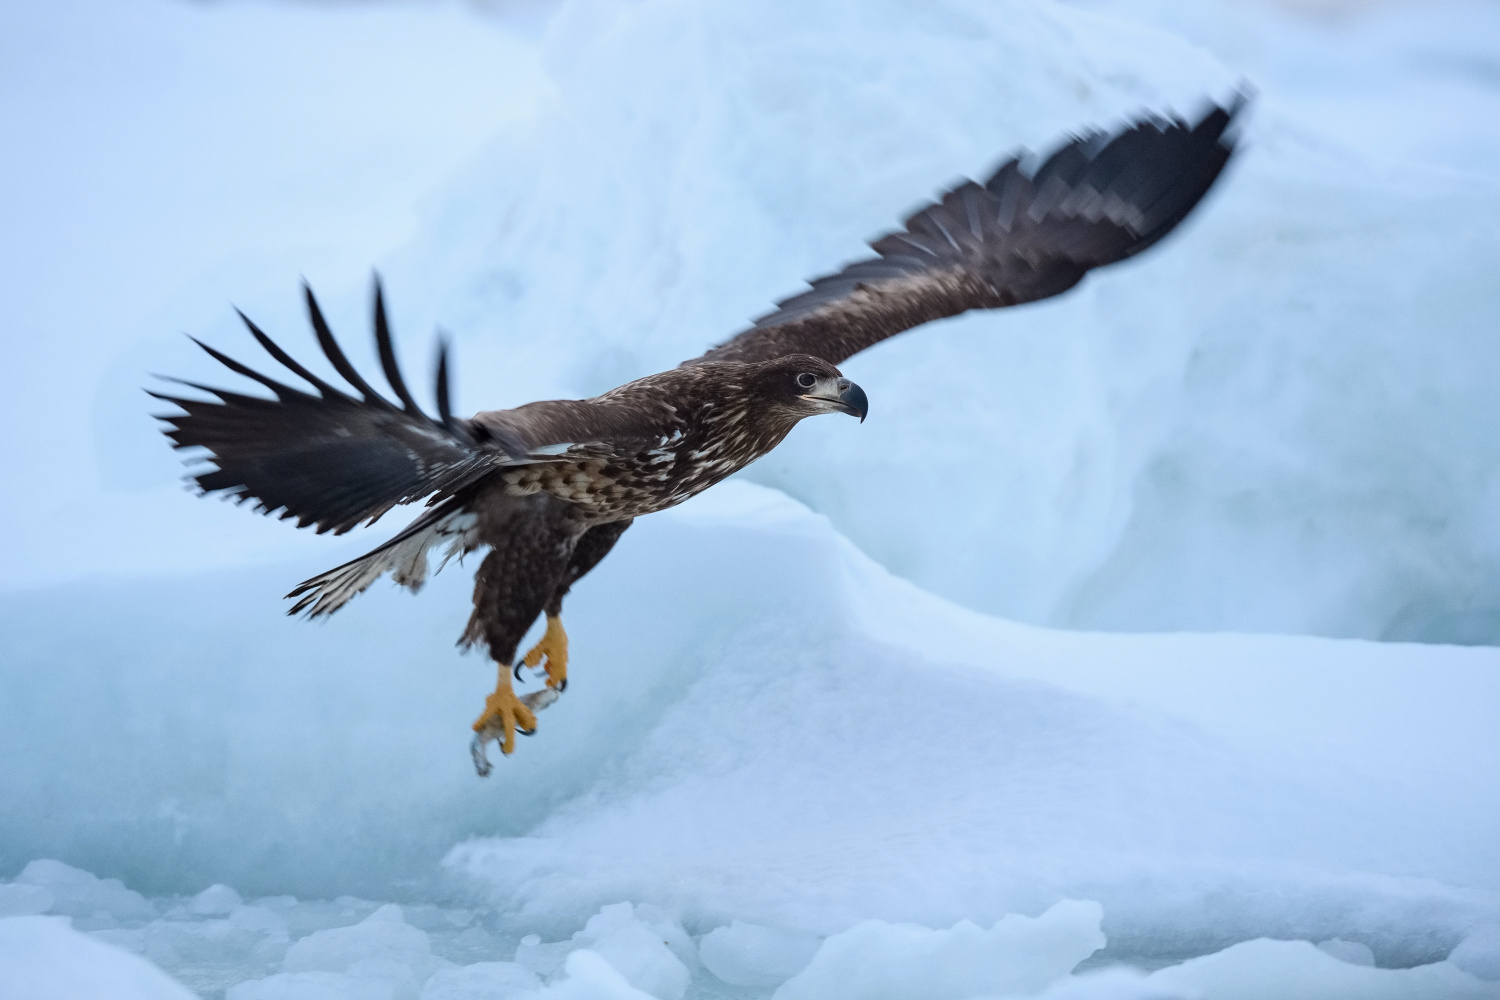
(327, 458)
(1026, 234)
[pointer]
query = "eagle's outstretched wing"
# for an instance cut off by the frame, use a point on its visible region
(1024, 235)
(327, 458)
(333, 460)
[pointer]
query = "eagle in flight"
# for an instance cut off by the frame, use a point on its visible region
(549, 487)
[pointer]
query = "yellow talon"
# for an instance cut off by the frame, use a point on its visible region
(503, 715)
(554, 646)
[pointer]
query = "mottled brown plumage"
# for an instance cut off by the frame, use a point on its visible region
(549, 487)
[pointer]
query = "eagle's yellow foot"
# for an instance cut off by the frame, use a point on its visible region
(554, 646)
(505, 715)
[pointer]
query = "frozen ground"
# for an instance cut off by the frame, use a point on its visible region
(822, 763)
(780, 769)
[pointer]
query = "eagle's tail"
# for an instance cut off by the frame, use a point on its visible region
(450, 525)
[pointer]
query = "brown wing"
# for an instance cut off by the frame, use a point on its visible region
(331, 459)
(1022, 236)
(327, 458)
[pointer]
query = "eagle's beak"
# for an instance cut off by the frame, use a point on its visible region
(853, 400)
(842, 395)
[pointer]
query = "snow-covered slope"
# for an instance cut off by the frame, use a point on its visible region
(1277, 421)
(763, 725)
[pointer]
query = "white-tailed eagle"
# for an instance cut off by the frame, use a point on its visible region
(549, 487)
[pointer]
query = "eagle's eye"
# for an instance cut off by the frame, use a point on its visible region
(807, 380)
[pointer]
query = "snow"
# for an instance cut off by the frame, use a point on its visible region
(42, 958)
(875, 960)
(1479, 953)
(80, 894)
(745, 954)
(1297, 386)
(831, 738)
(827, 766)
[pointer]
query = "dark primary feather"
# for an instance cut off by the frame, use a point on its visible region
(332, 459)
(1022, 236)
(328, 458)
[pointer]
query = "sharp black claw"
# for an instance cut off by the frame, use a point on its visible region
(525, 732)
(517, 671)
(562, 685)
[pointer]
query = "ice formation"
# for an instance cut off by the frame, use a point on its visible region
(1295, 387)
(785, 766)
(828, 765)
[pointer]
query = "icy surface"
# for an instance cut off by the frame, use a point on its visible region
(1297, 386)
(875, 960)
(42, 958)
(1479, 953)
(744, 954)
(826, 753)
(779, 767)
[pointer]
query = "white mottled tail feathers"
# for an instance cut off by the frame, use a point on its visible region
(405, 557)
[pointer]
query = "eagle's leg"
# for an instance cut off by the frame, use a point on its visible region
(593, 546)
(510, 590)
(554, 646)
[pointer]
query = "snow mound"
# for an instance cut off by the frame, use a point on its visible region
(1479, 953)
(875, 960)
(43, 958)
(1296, 385)
(77, 893)
(818, 743)
(745, 954)
(645, 946)
(1256, 970)
(1296, 969)
(382, 937)
(216, 901)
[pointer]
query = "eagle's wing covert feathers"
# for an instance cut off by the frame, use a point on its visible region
(1023, 235)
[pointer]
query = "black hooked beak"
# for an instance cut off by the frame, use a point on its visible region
(852, 399)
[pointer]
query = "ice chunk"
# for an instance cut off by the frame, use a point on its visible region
(77, 893)
(384, 936)
(1348, 951)
(215, 901)
(18, 899)
(587, 976)
(875, 960)
(42, 958)
(1479, 953)
(539, 958)
(745, 954)
(252, 941)
(1298, 970)
(318, 986)
(1118, 983)
(481, 981)
(638, 946)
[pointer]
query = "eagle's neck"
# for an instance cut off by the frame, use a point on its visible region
(722, 436)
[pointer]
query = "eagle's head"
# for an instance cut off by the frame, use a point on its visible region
(800, 385)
